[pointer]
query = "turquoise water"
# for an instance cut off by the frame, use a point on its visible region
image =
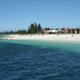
(75, 46)
(39, 60)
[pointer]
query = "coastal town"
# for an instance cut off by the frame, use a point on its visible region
(35, 28)
(37, 32)
(62, 31)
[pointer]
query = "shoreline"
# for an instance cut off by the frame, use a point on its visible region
(45, 37)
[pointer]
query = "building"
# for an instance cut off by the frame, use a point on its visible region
(53, 31)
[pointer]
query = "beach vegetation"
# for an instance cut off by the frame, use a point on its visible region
(35, 28)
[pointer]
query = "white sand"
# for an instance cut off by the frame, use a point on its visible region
(45, 37)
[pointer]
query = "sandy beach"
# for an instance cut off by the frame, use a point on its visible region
(45, 37)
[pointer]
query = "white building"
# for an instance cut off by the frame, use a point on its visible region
(53, 31)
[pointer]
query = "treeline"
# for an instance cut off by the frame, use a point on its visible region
(70, 30)
(34, 28)
(15, 32)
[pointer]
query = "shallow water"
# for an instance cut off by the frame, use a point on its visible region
(37, 60)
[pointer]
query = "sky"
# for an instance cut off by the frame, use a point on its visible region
(19, 14)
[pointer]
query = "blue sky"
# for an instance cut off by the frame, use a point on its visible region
(19, 14)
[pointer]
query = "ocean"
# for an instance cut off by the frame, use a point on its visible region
(39, 60)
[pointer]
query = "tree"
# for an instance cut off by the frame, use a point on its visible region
(36, 27)
(21, 32)
(32, 29)
(77, 30)
(72, 31)
(47, 28)
(63, 29)
(68, 31)
(39, 28)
